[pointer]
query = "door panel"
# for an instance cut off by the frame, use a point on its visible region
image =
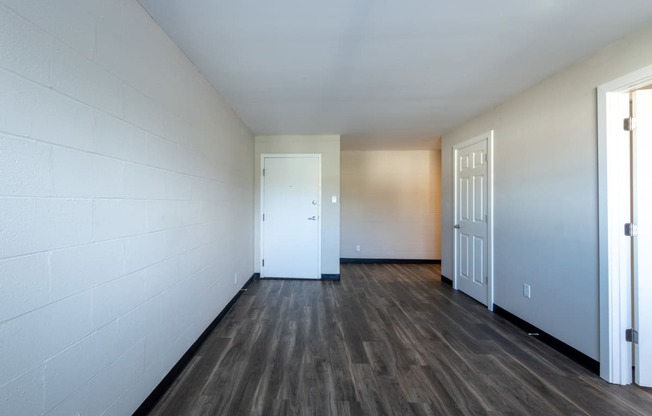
(465, 209)
(464, 256)
(478, 261)
(471, 222)
(291, 225)
(478, 198)
(642, 204)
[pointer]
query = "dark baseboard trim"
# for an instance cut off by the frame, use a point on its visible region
(388, 261)
(445, 280)
(146, 406)
(331, 277)
(324, 277)
(570, 352)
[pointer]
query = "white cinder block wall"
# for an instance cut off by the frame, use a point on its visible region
(391, 204)
(126, 206)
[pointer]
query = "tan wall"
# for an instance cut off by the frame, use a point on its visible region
(546, 194)
(391, 204)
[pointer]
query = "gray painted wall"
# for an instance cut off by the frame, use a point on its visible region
(546, 194)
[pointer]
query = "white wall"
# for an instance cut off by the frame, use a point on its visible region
(391, 204)
(546, 194)
(126, 204)
(329, 148)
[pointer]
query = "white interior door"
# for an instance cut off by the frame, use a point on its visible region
(642, 212)
(291, 216)
(471, 222)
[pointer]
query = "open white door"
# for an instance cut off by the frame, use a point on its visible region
(472, 231)
(642, 212)
(291, 216)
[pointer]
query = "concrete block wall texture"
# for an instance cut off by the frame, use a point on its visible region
(126, 206)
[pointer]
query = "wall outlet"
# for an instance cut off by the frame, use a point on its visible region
(526, 291)
(357, 247)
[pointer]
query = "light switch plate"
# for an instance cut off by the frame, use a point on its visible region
(334, 199)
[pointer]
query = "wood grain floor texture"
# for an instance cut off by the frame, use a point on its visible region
(385, 340)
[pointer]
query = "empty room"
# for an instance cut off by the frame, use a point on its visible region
(354, 207)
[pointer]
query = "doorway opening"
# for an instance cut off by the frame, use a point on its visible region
(623, 160)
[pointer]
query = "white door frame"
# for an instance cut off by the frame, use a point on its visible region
(614, 206)
(489, 137)
(262, 202)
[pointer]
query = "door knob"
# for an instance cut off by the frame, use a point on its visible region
(456, 226)
(313, 218)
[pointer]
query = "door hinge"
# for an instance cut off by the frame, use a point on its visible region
(263, 262)
(486, 157)
(631, 230)
(263, 217)
(631, 335)
(263, 172)
(629, 124)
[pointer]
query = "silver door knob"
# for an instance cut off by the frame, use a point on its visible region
(313, 218)
(456, 226)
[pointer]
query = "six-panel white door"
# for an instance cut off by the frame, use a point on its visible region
(291, 223)
(471, 220)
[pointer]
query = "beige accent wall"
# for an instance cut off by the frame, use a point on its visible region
(391, 204)
(329, 148)
(546, 194)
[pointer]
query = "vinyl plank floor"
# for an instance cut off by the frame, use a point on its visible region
(385, 340)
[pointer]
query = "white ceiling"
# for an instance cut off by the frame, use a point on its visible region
(384, 74)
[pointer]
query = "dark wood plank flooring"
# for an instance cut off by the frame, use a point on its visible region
(386, 340)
